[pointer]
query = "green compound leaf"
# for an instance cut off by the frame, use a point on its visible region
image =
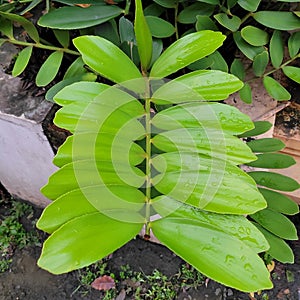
(281, 20)
(279, 249)
(75, 17)
(246, 93)
(272, 161)
(276, 223)
(292, 73)
(247, 49)
(64, 252)
(232, 23)
(275, 89)
(198, 86)
(279, 202)
(213, 252)
(159, 27)
(49, 68)
(260, 128)
(254, 36)
(260, 63)
(265, 144)
(276, 49)
(294, 44)
(250, 5)
(143, 36)
(22, 61)
(275, 181)
(112, 58)
(185, 51)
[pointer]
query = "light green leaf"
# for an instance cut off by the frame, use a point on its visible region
(49, 68)
(185, 51)
(272, 161)
(65, 251)
(232, 23)
(27, 25)
(275, 89)
(159, 27)
(254, 36)
(113, 60)
(279, 202)
(198, 86)
(197, 115)
(260, 128)
(276, 49)
(260, 63)
(246, 93)
(214, 253)
(281, 20)
(294, 44)
(265, 144)
(189, 14)
(275, 181)
(76, 17)
(250, 5)
(143, 36)
(279, 249)
(276, 223)
(237, 69)
(292, 73)
(247, 49)
(63, 36)
(22, 61)
(205, 23)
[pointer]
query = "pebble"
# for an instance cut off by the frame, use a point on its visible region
(230, 292)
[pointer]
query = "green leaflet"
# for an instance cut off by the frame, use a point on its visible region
(22, 61)
(76, 17)
(272, 161)
(276, 49)
(237, 69)
(265, 144)
(246, 93)
(49, 68)
(260, 127)
(250, 5)
(292, 72)
(294, 44)
(190, 13)
(213, 252)
(233, 23)
(254, 36)
(63, 36)
(198, 86)
(160, 28)
(64, 252)
(185, 51)
(275, 89)
(260, 63)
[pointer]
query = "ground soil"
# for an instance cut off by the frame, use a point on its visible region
(26, 281)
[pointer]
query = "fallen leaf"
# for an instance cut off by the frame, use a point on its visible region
(83, 5)
(271, 266)
(122, 295)
(103, 283)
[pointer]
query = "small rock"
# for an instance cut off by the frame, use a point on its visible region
(229, 292)
(218, 291)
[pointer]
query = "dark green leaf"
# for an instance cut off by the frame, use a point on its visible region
(189, 14)
(246, 93)
(63, 37)
(75, 69)
(265, 144)
(275, 181)
(126, 30)
(6, 27)
(213, 2)
(282, 20)
(247, 49)
(292, 73)
(260, 128)
(254, 36)
(167, 3)
(294, 44)
(153, 10)
(214, 253)
(2, 41)
(22, 61)
(159, 27)
(74, 2)
(230, 22)
(185, 51)
(205, 23)
(109, 31)
(250, 5)
(218, 62)
(49, 68)
(276, 223)
(272, 161)
(76, 17)
(260, 63)
(64, 251)
(157, 48)
(279, 249)
(279, 202)
(143, 36)
(275, 89)
(237, 69)
(201, 64)
(276, 49)
(32, 4)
